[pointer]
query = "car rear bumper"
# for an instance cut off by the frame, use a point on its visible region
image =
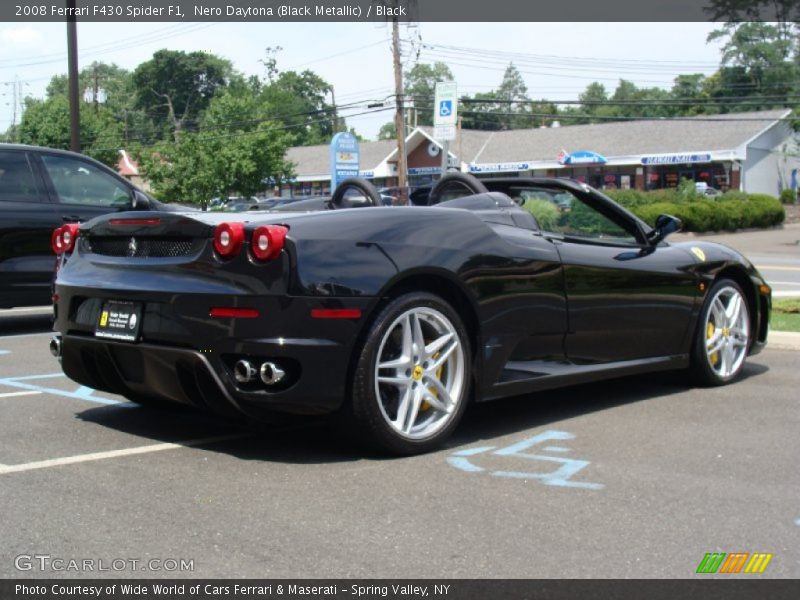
(184, 355)
(195, 378)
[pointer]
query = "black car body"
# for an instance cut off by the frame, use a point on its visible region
(41, 189)
(384, 310)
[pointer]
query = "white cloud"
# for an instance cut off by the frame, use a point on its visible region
(25, 36)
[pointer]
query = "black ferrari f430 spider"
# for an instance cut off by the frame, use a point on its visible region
(397, 317)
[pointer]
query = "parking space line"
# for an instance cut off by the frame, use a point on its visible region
(14, 394)
(94, 456)
(26, 335)
(82, 393)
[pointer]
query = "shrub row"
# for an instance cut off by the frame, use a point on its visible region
(733, 210)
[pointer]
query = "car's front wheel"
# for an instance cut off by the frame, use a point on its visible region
(723, 334)
(412, 380)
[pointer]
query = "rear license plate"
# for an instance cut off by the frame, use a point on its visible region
(119, 321)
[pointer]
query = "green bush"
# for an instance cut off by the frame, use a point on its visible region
(729, 212)
(788, 196)
(544, 211)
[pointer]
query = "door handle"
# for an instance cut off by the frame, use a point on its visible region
(73, 219)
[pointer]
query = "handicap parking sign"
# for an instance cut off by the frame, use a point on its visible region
(445, 108)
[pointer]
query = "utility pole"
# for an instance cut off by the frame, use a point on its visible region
(335, 124)
(72, 60)
(460, 145)
(399, 118)
(96, 77)
(14, 103)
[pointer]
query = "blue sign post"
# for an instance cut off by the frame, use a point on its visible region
(345, 158)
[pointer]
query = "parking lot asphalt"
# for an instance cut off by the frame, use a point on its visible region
(637, 477)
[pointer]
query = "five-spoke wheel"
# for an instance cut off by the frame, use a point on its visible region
(413, 376)
(723, 338)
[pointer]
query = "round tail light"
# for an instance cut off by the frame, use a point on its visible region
(267, 241)
(228, 239)
(63, 238)
(56, 241)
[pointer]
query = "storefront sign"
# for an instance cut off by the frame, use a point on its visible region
(424, 170)
(581, 157)
(489, 168)
(345, 157)
(676, 159)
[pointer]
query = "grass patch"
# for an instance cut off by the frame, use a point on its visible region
(785, 314)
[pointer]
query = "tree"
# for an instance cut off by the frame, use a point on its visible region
(387, 131)
(46, 123)
(174, 87)
(107, 85)
(99, 84)
(298, 100)
(758, 59)
(735, 11)
(237, 149)
(420, 85)
(507, 107)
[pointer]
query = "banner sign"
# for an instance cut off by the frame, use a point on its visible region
(345, 157)
(489, 167)
(675, 159)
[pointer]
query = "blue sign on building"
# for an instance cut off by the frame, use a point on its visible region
(344, 157)
(583, 157)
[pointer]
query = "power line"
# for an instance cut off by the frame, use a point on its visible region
(111, 47)
(561, 60)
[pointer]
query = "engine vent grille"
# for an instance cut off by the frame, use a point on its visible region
(140, 246)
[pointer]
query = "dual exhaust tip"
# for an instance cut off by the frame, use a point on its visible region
(245, 372)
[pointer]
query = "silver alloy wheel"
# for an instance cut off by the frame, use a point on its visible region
(420, 375)
(727, 332)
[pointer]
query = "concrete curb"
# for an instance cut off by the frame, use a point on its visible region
(783, 340)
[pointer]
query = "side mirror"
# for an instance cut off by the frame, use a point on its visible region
(665, 225)
(140, 201)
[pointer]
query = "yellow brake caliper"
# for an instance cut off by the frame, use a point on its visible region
(434, 392)
(714, 357)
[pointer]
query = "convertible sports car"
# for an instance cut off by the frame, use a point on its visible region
(396, 317)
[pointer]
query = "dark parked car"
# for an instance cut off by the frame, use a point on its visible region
(41, 189)
(397, 317)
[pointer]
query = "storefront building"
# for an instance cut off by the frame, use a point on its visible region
(753, 152)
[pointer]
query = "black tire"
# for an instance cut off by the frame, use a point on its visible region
(369, 191)
(709, 368)
(372, 404)
(456, 182)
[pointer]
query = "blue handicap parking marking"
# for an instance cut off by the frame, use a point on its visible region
(81, 393)
(445, 108)
(561, 476)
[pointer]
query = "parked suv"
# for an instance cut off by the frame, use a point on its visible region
(41, 189)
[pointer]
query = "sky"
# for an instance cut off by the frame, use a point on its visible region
(557, 60)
